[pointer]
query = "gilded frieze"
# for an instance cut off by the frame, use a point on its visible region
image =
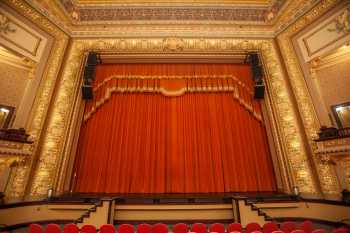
(53, 149)
(325, 172)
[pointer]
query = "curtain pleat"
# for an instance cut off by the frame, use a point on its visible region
(194, 143)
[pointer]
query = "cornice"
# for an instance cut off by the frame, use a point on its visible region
(150, 19)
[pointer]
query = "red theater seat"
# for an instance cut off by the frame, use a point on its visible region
(35, 228)
(88, 229)
(307, 226)
(235, 227)
(270, 227)
(300, 231)
(217, 227)
(180, 228)
(70, 228)
(160, 228)
(199, 228)
(126, 228)
(251, 227)
(317, 231)
(288, 227)
(107, 228)
(144, 228)
(53, 228)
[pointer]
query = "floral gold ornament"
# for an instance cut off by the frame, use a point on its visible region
(342, 22)
(5, 26)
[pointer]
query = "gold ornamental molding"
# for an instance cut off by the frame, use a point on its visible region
(273, 20)
(55, 154)
(20, 180)
(325, 173)
(52, 128)
(337, 146)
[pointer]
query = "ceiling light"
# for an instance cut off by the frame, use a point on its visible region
(5, 110)
(339, 108)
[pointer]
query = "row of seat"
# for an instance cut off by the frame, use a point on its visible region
(269, 227)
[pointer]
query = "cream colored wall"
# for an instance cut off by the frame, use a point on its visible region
(98, 217)
(28, 214)
(334, 83)
(328, 212)
(173, 212)
(13, 83)
(248, 215)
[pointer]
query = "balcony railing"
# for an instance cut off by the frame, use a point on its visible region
(333, 133)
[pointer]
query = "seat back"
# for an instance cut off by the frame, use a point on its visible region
(52, 228)
(341, 230)
(298, 231)
(251, 227)
(180, 228)
(144, 228)
(317, 231)
(307, 226)
(235, 227)
(126, 228)
(217, 227)
(88, 229)
(71, 228)
(199, 228)
(107, 228)
(270, 227)
(288, 227)
(35, 228)
(160, 228)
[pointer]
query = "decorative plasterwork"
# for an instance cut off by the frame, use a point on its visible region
(85, 3)
(342, 22)
(5, 26)
(17, 61)
(175, 22)
(53, 156)
(13, 153)
(324, 37)
(21, 39)
(20, 178)
(326, 174)
(191, 11)
(335, 146)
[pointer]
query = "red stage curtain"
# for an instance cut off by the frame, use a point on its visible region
(195, 143)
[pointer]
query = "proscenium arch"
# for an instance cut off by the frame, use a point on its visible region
(66, 116)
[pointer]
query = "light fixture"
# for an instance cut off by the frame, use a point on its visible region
(5, 110)
(339, 108)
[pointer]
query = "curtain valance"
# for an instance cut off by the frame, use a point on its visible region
(172, 86)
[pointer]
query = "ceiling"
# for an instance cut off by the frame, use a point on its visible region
(96, 18)
(262, 11)
(167, 2)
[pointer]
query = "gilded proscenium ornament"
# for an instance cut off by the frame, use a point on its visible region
(54, 147)
(20, 176)
(326, 174)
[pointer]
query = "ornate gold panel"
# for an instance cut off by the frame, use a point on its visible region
(48, 161)
(326, 174)
(53, 145)
(20, 178)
